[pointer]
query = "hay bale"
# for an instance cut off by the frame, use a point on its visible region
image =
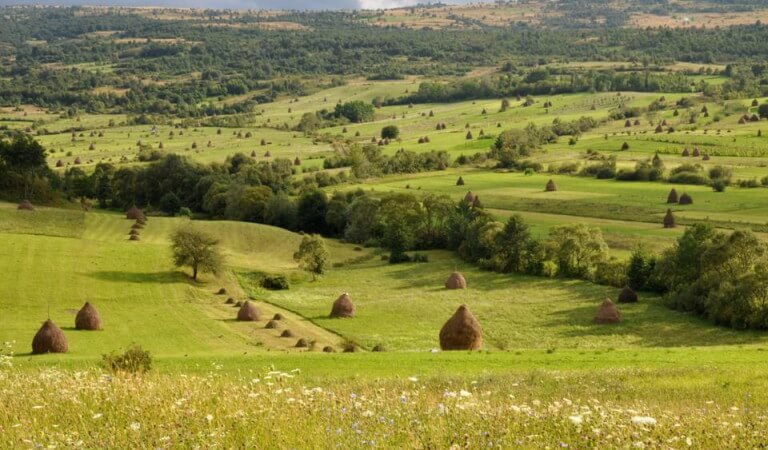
(686, 199)
(469, 197)
(607, 313)
(705, 157)
(460, 181)
(686, 153)
(222, 291)
(278, 316)
(627, 295)
(551, 186)
(134, 232)
(26, 205)
(248, 312)
(378, 348)
(134, 237)
(137, 226)
(696, 152)
(49, 339)
(238, 304)
(286, 334)
(134, 213)
(230, 301)
(302, 343)
(461, 332)
(349, 347)
(669, 220)
(88, 318)
(272, 324)
(672, 197)
(297, 161)
(343, 307)
(329, 349)
(456, 281)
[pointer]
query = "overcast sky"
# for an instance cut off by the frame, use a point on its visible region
(255, 4)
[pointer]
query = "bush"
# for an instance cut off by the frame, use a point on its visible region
(134, 360)
(719, 185)
(611, 273)
(390, 132)
(275, 282)
(688, 178)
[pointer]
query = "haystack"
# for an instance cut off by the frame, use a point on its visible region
(88, 318)
(134, 237)
(469, 197)
(137, 226)
(248, 312)
(230, 301)
(669, 220)
(222, 291)
(461, 332)
(378, 348)
(607, 313)
(696, 152)
(302, 343)
(271, 324)
(134, 213)
(551, 186)
(686, 199)
(705, 157)
(278, 316)
(343, 307)
(26, 205)
(329, 349)
(456, 281)
(238, 304)
(286, 334)
(627, 295)
(686, 153)
(49, 339)
(134, 232)
(460, 181)
(672, 197)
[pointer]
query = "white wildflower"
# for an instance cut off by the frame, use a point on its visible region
(97, 416)
(643, 420)
(135, 426)
(576, 420)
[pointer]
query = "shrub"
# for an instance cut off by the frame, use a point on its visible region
(390, 132)
(134, 360)
(275, 282)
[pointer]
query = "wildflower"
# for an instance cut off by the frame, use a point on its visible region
(209, 418)
(97, 416)
(576, 420)
(135, 426)
(643, 420)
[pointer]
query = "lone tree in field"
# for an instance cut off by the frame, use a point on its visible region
(312, 255)
(196, 249)
(390, 132)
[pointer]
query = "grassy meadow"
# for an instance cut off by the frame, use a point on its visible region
(547, 376)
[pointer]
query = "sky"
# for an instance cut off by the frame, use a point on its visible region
(240, 4)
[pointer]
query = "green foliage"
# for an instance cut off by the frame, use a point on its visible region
(312, 255)
(576, 249)
(390, 132)
(275, 282)
(196, 249)
(355, 111)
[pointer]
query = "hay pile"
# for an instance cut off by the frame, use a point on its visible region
(286, 334)
(302, 343)
(456, 281)
(26, 205)
(461, 332)
(470, 197)
(88, 318)
(672, 197)
(607, 313)
(248, 312)
(278, 316)
(222, 291)
(669, 220)
(460, 182)
(378, 348)
(686, 199)
(271, 324)
(135, 213)
(230, 301)
(49, 339)
(343, 307)
(627, 295)
(329, 349)
(134, 232)
(551, 186)
(134, 237)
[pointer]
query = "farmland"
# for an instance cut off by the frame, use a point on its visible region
(592, 178)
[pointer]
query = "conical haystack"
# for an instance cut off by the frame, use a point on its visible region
(672, 197)
(607, 313)
(49, 339)
(461, 332)
(343, 307)
(134, 237)
(248, 312)
(456, 281)
(551, 186)
(686, 199)
(26, 205)
(669, 220)
(134, 213)
(627, 295)
(469, 197)
(88, 318)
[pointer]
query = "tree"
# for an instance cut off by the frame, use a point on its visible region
(170, 203)
(312, 209)
(390, 132)
(516, 250)
(312, 255)
(576, 249)
(762, 110)
(356, 111)
(196, 249)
